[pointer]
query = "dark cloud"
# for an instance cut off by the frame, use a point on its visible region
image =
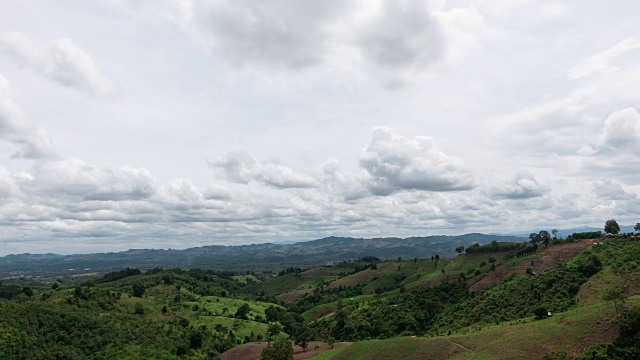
(609, 190)
(403, 38)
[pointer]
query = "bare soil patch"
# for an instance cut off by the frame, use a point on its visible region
(550, 257)
(253, 351)
(293, 295)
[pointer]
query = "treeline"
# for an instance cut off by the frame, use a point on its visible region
(495, 246)
(585, 235)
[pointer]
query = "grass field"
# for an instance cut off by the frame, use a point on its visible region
(573, 331)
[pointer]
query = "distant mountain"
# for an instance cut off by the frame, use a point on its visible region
(566, 232)
(315, 252)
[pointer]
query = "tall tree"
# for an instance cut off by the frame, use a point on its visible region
(637, 227)
(611, 227)
(544, 236)
(273, 330)
(281, 349)
(302, 336)
(243, 312)
(555, 233)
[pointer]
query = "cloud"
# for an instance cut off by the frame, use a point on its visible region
(393, 41)
(8, 187)
(401, 39)
(74, 179)
(62, 62)
(241, 167)
(621, 131)
(602, 63)
(609, 190)
(523, 186)
(396, 163)
(27, 140)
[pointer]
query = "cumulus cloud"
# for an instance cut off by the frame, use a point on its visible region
(27, 140)
(397, 163)
(609, 190)
(61, 61)
(241, 167)
(602, 63)
(621, 132)
(75, 179)
(523, 186)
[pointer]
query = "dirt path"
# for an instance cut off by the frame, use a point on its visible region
(462, 346)
(453, 265)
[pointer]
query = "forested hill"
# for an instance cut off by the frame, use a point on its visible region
(308, 253)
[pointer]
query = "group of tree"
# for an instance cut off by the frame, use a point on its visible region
(542, 237)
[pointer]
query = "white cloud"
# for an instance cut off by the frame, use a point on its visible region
(62, 61)
(242, 167)
(523, 186)
(621, 131)
(396, 163)
(602, 63)
(74, 179)
(27, 140)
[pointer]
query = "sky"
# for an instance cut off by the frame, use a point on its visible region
(182, 123)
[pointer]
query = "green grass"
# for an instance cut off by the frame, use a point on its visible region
(243, 279)
(571, 331)
(325, 309)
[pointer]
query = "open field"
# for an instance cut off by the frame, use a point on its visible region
(573, 331)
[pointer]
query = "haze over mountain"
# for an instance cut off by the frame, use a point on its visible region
(174, 124)
(301, 254)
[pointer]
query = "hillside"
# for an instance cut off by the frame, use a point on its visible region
(491, 302)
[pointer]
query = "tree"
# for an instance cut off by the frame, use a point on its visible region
(616, 295)
(544, 236)
(272, 313)
(138, 290)
(555, 234)
(167, 279)
(533, 237)
(281, 349)
(27, 291)
(259, 337)
(540, 312)
(460, 249)
(302, 336)
(331, 340)
(637, 227)
(611, 227)
(139, 310)
(55, 286)
(273, 330)
(243, 312)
